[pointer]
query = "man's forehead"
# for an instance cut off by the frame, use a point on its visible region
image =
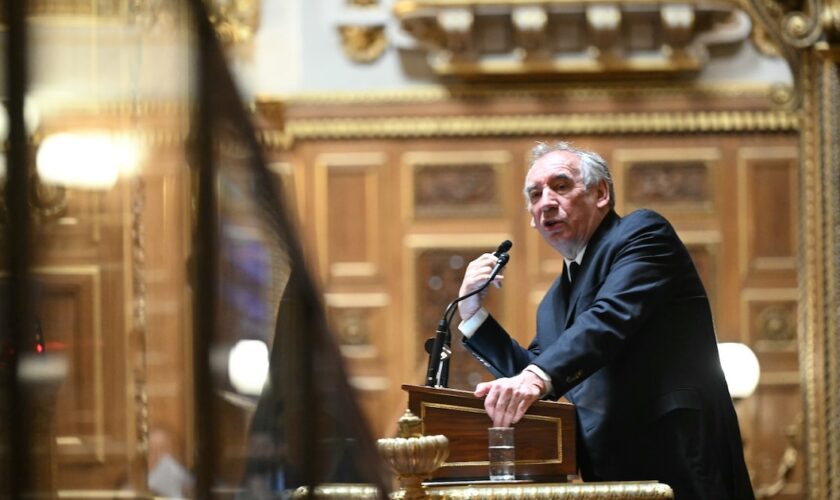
(554, 164)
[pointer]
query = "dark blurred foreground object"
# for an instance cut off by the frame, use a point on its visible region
(307, 429)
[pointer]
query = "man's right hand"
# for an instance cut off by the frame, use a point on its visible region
(507, 399)
(478, 271)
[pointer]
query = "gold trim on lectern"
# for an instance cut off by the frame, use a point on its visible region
(556, 420)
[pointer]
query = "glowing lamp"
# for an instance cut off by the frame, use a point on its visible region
(89, 160)
(248, 366)
(740, 367)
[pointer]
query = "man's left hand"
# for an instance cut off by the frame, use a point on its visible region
(509, 398)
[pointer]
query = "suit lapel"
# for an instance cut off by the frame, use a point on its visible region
(570, 313)
(584, 278)
(552, 312)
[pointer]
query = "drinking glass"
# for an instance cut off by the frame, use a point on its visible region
(501, 453)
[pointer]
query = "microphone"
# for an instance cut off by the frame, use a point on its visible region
(437, 371)
(504, 247)
(502, 254)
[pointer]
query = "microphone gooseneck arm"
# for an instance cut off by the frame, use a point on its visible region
(437, 372)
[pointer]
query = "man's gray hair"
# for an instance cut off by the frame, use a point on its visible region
(593, 168)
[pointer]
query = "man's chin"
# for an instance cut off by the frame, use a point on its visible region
(560, 244)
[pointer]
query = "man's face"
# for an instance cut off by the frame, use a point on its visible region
(562, 209)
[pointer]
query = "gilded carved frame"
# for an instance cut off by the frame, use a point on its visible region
(806, 40)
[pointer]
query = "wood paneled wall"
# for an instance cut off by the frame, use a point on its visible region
(392, 218)
(392, 199)
(110, 267)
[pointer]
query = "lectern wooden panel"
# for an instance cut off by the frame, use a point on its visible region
(545, 437)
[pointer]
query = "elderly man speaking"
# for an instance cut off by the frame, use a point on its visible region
(625, 333)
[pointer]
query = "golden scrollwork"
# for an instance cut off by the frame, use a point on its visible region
(235, 21)
(363, 44)
(781, 94)
(800, 29)
(789, 460)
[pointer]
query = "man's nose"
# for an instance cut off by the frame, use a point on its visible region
(548, 200)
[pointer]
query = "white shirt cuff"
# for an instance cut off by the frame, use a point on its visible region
(536, 370)
(469, 326)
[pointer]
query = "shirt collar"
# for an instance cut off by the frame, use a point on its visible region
(578, 258)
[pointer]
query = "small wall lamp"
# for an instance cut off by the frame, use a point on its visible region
(740, 367)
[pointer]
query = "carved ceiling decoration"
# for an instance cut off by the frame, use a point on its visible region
(363, 44)
(471, 39)
(789, 28)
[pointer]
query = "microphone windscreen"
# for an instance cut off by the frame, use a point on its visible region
(504, 247)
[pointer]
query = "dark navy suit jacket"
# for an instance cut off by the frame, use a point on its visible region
(635, 343)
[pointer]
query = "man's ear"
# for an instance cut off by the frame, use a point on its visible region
(603, 195)
(533, 222)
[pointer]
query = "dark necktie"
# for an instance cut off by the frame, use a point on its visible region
(573, 270)
(569, 276)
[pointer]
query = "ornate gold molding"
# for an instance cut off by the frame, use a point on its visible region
(559, 491)
(818, 281)
(827, 98)
(550, 124)
(277, 104)
(339, 491)
(831, 86)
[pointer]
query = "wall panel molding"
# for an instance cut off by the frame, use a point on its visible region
(768, 190)
(447, 184)
(349, 216)
(671, 180)
(76, 291)
(436, 264)
(769, 318)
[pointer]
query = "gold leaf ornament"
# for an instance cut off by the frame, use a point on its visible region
(363, 44)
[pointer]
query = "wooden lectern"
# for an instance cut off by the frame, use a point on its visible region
(545, 437)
